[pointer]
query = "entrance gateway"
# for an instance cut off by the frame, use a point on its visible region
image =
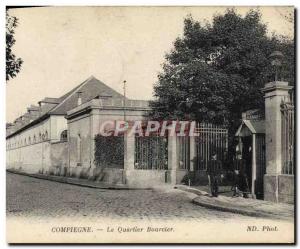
(189, 157)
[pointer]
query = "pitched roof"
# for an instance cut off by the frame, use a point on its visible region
(89, 89)
(255, 126)
(258, 125)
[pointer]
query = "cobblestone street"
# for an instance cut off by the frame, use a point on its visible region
(27, 196)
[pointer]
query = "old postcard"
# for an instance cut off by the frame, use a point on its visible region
(150, 124)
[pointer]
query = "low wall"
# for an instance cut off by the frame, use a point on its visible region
(109, 175)
(147, 178)
(106, 175)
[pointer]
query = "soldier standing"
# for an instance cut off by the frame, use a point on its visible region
(214, 169)
(240, 182)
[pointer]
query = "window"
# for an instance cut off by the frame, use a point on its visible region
(64, 136)
(29, 140)
(34, 139)
(40, 137)
(46, 135)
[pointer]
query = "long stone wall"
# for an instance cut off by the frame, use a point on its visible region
(59, 158)
(33, 158)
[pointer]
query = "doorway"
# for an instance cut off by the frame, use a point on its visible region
(247, 156)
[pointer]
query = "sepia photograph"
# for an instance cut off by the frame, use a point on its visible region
(150, 124)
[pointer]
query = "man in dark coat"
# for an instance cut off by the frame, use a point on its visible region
(241, 182)
(214, 170)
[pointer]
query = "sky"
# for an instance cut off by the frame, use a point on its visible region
(63, 46)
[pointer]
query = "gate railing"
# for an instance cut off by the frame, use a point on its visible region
(183, 152)
(288, 135)
(211, 139)
(151, 153)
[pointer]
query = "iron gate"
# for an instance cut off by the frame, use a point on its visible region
(288, 135)
(183, 152)
(211, 139)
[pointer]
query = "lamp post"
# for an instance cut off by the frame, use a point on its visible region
(124, 100)
(188, 104)
(276, 61)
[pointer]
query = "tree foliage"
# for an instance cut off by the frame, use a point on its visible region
(215, 71)
(13, 64)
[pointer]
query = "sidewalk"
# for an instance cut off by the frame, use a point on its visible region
(78, 181)
(240, 205)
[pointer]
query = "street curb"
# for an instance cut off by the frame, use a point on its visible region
(190, 190)
(233, 210)
(72, 181)
(253, 213)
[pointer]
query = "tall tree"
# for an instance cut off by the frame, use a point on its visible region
(215, 71)
(13, 64)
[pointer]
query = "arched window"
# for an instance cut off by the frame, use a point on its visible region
(40, 137)
(46, 135)
(64, 136)
(34, 139)
(43, 137)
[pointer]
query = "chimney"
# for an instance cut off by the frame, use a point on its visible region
(79, 100)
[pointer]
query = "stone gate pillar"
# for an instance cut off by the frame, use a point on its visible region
(274, 93)
(129, 144)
